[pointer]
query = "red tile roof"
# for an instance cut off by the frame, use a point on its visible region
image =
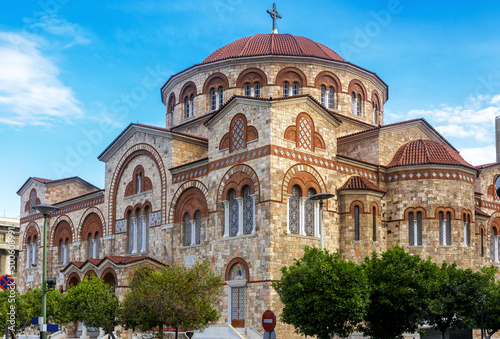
(273, 44)
(423, 152)
(488, 165)
(42, 180)
(477, 211)
(116, 259)
(357, 183)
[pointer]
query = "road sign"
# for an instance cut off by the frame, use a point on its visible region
(36, 320)
(6, 282)
(268, 321)
(49, 328)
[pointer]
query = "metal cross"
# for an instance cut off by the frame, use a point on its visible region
(274, 14)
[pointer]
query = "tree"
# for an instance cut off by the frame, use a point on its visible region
(92, 302)
(175, 296)
(399, 295)
(456, 297)
(55, 301)
(322, 294)
(488, 311)
(14, 311)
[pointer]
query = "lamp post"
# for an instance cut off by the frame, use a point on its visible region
(321, 197)
(45, 210)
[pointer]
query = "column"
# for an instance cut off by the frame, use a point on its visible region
(302, 205)
(240, 216)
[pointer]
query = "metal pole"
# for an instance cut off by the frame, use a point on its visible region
(482, 336)
(321, 224)
(44, 278)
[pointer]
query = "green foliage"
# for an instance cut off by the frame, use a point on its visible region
(490, 302)
(55, 300)
(174, 296)
(456, 296)
(322, 294)
(14, 311)
(399, 297)
(92, 302)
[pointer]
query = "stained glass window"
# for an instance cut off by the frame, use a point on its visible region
(305, 133)
(248, 211)
(234, 210)
(256, 89)
(356, 222)
(197, 230)
(296, 88)
(294, 211)
(248, 91)
(286, 89)
(331, 94)
(213, 99)
(187, 230)
(309, 214)
(239, 134)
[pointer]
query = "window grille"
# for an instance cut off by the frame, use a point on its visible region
(296, 88)
(248, 211)
(248, 91)
(374, 224)
(238, 134)
(234, 210)
(305, 133)
(309, 214)
(294, 210)
(356, 223)
(286, 88)
(256, 89)
(187, 230)
(197, 217)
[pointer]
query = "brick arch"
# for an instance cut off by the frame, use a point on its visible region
(89, 273)
(188, 89)
(73, 279)
(178, 193)
(294, 170)
(131, 153)
(190, 200)
(415, 210)
(60, 219)
(327, 78)
(106, 273)
(89, 211)
(377, 208)
(353, 88)
(215, 80)
(357, 203)
(31, 230)
(91, 225)
(305, 181)
(291, 74)
(233, 262)
(444, 210)
(249, 171)
(376, 99)
(494, 223)
(251, 75)
(61, 231)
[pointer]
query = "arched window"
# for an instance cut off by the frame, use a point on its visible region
(186, 107)
(139, 183)
(323, 95)
(131, 225)
(374, 110)
(256, 89)
(296, 88)
(197, 227)
(248, 90)
(358, 105)
(356, 223)
(482, 243)
(238, 133)
(309, 214)
(494, 248)
(221, 96)
(145, 232)
(445, 229)
(306, 132)
(187, 230)
(213, 99)
(234, 211)
(61, 252)
(415, 229)
(96, 245)
(248, 211)
(374, 223)
(466, 219)
(294, 211)
(286, 89)
(331, 97)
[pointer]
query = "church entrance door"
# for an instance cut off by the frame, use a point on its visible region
(238, 306)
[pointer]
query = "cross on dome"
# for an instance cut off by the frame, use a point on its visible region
(274, 14)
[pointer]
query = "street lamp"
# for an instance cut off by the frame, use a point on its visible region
(321, 197)
(45, 210)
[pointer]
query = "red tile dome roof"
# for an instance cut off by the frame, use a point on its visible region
(423, 152)
(273, 44)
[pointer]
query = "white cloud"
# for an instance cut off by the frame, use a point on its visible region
(54, 24)
(30, 90)
(479, 155)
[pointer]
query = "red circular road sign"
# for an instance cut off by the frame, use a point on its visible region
(6, 282)
(268, 320)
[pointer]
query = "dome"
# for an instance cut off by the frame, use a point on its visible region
(423, 152)
(273, 44)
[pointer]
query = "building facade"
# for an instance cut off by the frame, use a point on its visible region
(252, 132)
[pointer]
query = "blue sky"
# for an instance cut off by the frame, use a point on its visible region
(74, 73)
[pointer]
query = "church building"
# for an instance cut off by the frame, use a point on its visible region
(251, 133)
